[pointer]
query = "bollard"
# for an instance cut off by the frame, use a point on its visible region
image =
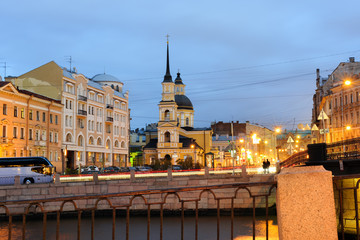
(206, 175)
(305, 204)
(57, 178)
(243, 171)
(278, 167)
(132, 175)
(17, 180)
(169, 176)
(96, 177)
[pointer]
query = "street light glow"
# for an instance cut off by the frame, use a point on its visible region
(347, 82)
(348, 127)
(277, 130)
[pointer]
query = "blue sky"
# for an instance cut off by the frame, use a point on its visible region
(240, 60)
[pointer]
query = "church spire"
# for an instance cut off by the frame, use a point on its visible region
(167, 77)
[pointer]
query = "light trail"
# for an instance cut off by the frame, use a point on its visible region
(120, 176)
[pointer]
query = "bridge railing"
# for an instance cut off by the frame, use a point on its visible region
(217, 197)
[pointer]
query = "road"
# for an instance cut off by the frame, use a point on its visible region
(116, 176)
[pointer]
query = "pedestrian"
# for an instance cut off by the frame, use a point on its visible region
(264, 166)
(267, 165)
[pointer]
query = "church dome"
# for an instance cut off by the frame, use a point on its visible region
(105, 78)
(183, 102)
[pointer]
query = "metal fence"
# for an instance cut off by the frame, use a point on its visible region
(258, 193)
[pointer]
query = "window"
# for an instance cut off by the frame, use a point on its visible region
(15, 111)
(43, 117)
(91, 141)
(37, 116)
(4, 131)
(70, 104)
(37, 135)
(167, 137)
(22, 133)
(30, 134)
(51, 137)
(80, 141)
(22, 113)
(187, 121)
(68, 138)
(66, 104)
(56, 137)
(351, 98)
(15, 132)
(56, 119)
(167, 115)
(70, 121)
(66, 121)
(51, 118)
(56, 156)
(30, 114)
(43, 135)
(4, 109)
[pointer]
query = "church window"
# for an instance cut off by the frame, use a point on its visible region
(177, 89)
(167, 115)
(167, 137)
(187, 121)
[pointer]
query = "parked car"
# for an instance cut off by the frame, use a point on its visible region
(144, 168)
(133, 168)
(124, 169)
(176, 167)
(111, 169)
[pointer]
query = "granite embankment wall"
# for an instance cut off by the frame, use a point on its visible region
(36, 192)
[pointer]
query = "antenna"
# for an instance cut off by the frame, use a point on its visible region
(69, 60)
(4, 66)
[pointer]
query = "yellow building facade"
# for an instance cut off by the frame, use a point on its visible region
(30, 125)
(175, 137)
(95, 114)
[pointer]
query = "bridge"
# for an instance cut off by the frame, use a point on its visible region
(181, 196)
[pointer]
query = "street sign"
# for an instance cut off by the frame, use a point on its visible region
(322, 115)
(323, 132)
(314, 128)
(290, 140)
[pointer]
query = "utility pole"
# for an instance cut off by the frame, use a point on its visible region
(232, 146)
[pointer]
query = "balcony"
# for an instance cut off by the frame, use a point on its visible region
(40, 143)
(109, 119)
(82, 98)
(6, 140)
(109, 106)
(82, 112)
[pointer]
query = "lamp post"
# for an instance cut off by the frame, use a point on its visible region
(346, 83)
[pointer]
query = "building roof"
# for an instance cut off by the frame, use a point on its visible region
(178, 79)
(95, 85)
(105, 78)
(183, 102)
(167, 77)
(182, 139)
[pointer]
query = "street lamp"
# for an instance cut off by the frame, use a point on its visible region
(346, 83)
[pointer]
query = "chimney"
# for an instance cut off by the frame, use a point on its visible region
(351, 59)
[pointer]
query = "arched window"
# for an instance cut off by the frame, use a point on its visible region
(167, 137)
(91, 141)
(108, 144)
(167, 115)
(123, 144)
(116, 143)
(68, 137)
(80, 141)
(187, 121)
(117, 87)
(112, 86)
(99, 141)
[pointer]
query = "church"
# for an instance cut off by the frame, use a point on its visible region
(175, 137)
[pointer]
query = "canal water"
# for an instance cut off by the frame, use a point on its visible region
(138, 228)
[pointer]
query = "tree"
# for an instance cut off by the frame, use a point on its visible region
(185, 164)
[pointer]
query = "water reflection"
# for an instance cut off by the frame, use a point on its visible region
(138, 228)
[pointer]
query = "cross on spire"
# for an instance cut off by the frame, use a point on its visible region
(167, 38)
